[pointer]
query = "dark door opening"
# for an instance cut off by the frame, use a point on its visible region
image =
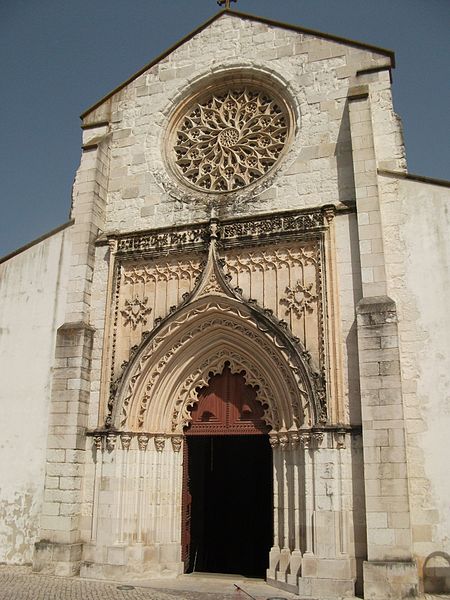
(229, 485)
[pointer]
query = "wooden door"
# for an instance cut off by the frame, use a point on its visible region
(227, 406)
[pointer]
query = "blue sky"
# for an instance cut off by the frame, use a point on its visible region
(58, 57)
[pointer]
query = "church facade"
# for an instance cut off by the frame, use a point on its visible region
(238, 346)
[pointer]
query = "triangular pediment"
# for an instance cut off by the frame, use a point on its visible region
(228, 13)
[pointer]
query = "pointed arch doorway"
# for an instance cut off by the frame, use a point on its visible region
(227, 524)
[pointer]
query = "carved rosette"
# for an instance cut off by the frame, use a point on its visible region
(135, 312)
(230, 139)
(299, 299)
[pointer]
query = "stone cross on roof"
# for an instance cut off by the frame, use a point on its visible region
(225, 3)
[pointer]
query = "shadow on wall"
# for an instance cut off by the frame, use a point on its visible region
(344, 161)
(436, 573)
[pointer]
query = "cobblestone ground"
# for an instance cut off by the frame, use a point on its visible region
(19, 583)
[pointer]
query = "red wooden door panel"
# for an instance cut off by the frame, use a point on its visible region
(227, 406)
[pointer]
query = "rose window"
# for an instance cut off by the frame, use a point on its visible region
(230, 140)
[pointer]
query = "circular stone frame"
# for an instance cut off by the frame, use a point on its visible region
(229, 134)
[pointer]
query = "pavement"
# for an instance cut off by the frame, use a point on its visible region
(20, 583)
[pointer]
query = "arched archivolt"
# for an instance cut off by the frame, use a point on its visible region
(161, 383)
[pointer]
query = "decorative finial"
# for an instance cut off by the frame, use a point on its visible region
(225, 3)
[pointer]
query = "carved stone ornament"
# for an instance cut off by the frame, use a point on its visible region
(177, 440)
(211, 326)
(125, 438)
(274, 441)
(135, 312)
(284, 440)
(305, 440)
(317, 438)
(299, 298)
(230, 139)
(339, 437)
(98, 442)
(294, 439)
(143, 441)
(180, 270)
(197, 236)
(110, 442)
(160, 442)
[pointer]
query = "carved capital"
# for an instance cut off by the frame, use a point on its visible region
(125, 439)
(339, 438)
(294, 439)
(112, 243)
(284, 440)
(273, 441)
(305, 440)
(98, 442)
(143, 441)
(329, 212)
(177, 440)
(160, 442)
(111, 441)
(317, 438)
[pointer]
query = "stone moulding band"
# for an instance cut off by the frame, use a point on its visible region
(239, 231)
(330, 436)
(109, 440)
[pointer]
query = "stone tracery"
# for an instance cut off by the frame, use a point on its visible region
(207, 328)
(231, 139)
(196, 315)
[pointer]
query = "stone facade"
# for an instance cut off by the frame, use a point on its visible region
(243, 203)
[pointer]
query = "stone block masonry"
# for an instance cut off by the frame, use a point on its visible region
(390, 571)
(59, 550)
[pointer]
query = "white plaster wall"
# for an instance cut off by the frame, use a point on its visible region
(32, 299)
(417, 240)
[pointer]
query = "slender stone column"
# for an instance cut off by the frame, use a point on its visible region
(285, 555)
(296, 557)
(274, 555)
